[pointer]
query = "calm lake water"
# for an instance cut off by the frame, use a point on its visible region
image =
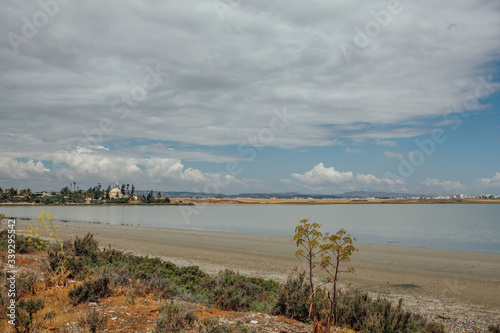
(443, 226)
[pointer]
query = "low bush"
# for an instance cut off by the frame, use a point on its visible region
(160, 286)
(359, 312)
(356, 310)
(240, 293)
(118, 276)
(85, 246)
(90, 291)
(25, 285)
(25, 310)
(293, 299)
(174, 317)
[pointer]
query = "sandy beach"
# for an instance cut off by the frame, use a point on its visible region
(467, 277)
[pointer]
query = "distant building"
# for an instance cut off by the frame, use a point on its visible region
(116, 193)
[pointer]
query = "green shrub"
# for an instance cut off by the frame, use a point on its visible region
(238, 292)
(85, 246)
(359, 312)
(25, 310)
(174, 317)
(55, 258)
(22, 244)
(90, 291)
(25, 285)
(293, 298)
(118, 276)
(160, 286)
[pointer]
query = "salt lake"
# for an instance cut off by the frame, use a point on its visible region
(469, 227)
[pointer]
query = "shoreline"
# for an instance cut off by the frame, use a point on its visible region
(258, 201)
(455, 276)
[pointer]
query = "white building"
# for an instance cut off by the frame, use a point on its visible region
(116, 193)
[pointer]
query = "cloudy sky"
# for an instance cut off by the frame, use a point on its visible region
(239, 96)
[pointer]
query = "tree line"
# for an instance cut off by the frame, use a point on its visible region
(96, 194)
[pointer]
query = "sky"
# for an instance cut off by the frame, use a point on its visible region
(239, 96)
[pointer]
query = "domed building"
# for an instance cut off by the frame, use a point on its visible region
(116, 193)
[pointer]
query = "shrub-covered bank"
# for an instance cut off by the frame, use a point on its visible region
(105, 271)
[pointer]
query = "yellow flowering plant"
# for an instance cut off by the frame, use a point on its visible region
(33, 237)
(47, 221)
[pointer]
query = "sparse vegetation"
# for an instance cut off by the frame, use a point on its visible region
(25, 285)
(293, 298)
(90, 291)
(356, 310)
(238, 292)
(85, 246)
(93, 321)
(25, 310)
(174, 317)
(108, 273)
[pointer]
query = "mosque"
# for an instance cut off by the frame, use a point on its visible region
(116, 193)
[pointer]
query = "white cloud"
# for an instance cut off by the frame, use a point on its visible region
(322, 179)
(373, 182)
(489, 182)
(92, 167)
(21, 170)
(90, 149)
(319, 175)
(222, 79)
(443, 185)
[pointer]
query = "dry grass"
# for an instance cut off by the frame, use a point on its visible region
(58, 303)
(123, 313)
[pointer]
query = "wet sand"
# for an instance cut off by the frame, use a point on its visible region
(457, 276)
